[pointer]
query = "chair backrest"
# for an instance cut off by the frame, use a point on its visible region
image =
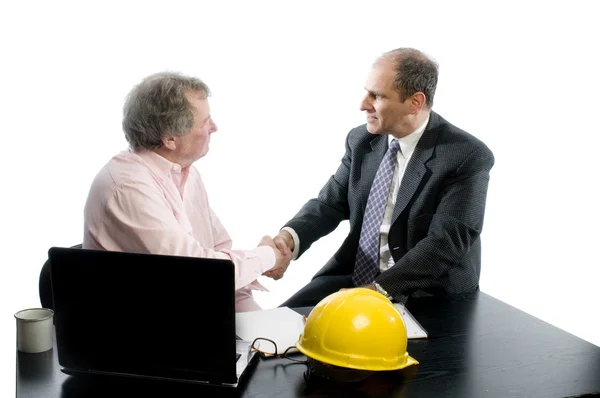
(45, 284)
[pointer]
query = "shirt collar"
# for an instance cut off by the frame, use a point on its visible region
(164, 168)
(409, 142)
(158, 164)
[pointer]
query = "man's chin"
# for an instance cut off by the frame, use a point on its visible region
(373, 128)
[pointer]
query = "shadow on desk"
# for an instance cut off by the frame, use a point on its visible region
(380, 384)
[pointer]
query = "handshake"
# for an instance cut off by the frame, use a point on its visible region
(283, 245)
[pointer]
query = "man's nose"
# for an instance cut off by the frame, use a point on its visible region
(365, 104)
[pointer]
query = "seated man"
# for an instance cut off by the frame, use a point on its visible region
(151, 199)
(413, 187)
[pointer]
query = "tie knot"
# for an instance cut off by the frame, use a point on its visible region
(394, 146)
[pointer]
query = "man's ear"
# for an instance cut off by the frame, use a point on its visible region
(417, 102)
(169, 142)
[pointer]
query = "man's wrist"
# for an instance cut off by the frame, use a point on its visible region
(295, 243)
(287, 238)
(381, 290)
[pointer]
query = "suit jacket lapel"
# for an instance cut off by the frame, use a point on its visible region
(370, 164)
(416, 168)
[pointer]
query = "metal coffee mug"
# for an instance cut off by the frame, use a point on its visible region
(35, 328)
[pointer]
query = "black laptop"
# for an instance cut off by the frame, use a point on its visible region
(150, 316)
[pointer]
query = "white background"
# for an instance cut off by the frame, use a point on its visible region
(287, 82)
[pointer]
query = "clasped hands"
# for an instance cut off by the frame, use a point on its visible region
(283, 245)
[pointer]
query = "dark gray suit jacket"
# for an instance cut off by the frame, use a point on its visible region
(437, 220)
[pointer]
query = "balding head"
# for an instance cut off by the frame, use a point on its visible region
(415, 72)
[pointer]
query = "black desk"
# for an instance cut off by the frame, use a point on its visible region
(478, 347)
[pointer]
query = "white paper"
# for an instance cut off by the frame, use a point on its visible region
(413, 329)
(281, 325)
(242, 347)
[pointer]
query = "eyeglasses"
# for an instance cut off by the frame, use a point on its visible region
(267, 348)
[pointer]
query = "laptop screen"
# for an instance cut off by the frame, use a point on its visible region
(141, 314)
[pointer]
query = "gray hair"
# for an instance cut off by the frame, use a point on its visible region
(415, 72)
(158, 106)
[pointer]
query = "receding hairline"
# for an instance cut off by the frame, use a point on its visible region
(399, 54)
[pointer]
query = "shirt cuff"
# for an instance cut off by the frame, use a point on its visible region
(296, 241)
(266, 257)
(382, 291)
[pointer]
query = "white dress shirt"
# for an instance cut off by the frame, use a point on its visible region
(141, 202)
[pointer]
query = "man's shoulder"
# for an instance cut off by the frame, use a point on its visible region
(127, 167)
(450, 134)
(123, 169)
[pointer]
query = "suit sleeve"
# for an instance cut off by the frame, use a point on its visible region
(454, 228)
(320, 216)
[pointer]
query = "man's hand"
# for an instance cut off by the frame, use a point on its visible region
(284, 238)
(283, 256)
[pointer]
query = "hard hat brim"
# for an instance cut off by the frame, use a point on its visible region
(321, 358)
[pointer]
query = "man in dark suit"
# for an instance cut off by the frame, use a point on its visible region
(413, 187)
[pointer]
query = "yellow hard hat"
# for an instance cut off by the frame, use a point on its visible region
(357, 329)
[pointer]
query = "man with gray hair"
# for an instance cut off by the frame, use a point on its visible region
(413, 187)
(151, 198)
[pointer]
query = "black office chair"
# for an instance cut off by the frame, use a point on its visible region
(46, 284)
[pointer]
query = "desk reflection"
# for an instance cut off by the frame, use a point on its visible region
(107, 386)
(38, 368)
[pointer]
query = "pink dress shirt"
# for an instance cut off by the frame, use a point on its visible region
(141, 202)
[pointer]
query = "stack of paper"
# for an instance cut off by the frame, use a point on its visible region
(413, 329)
(282, 325)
